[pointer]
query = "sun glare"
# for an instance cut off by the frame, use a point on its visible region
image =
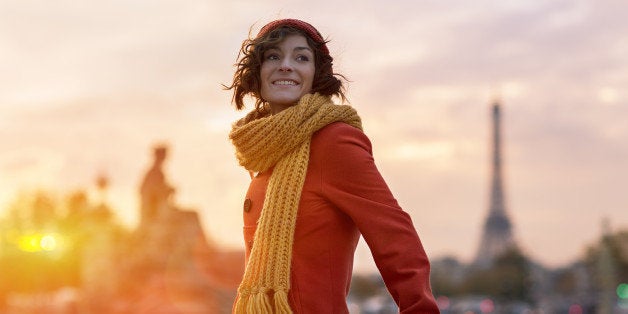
(39, 242)
(48, 243)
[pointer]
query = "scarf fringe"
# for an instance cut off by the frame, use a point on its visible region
(240, 306)
(260, 303)
(282, 306)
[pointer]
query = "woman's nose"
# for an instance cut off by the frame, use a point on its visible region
(285, 66)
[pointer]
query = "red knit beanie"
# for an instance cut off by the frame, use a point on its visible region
(298, 24)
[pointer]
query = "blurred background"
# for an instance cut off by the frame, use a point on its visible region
(120, 193)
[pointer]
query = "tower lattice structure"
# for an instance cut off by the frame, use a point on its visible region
(497, 236)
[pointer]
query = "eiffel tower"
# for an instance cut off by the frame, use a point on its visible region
(497, 236)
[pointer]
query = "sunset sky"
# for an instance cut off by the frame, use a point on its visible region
(88, 87)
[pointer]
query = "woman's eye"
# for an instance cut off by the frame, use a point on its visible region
(272, 57)
(303, 58)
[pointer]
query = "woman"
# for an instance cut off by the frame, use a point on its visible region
(314, 186)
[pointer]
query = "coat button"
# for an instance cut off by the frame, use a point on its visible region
(247, 205)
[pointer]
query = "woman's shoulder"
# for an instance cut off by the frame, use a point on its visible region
(338, 135)
(335, 129)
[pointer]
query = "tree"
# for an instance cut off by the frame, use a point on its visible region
(607, 265)
(42, 240)
(446, 276)
(507, 280)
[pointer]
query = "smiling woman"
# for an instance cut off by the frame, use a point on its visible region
(314, 185)
(287, 73)
(270, 43)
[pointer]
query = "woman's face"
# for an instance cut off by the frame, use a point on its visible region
(287, 72)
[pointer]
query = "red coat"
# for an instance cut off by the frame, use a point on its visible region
(344, 195)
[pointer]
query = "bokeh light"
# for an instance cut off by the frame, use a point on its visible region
(443, 302)
(622, 291)
(575, 309)
(487, 306)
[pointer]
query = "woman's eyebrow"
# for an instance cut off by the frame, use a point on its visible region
(302, 48)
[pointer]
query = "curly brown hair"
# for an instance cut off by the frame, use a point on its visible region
(246, 79)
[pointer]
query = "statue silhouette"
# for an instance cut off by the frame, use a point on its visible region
(155, 191)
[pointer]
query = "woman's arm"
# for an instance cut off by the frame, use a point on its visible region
(351, 181)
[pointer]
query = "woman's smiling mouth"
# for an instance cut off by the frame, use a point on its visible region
(285, 82)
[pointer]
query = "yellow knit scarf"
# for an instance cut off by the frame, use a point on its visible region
(283, 141)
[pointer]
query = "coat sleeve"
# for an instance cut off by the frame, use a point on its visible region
(351, 181)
